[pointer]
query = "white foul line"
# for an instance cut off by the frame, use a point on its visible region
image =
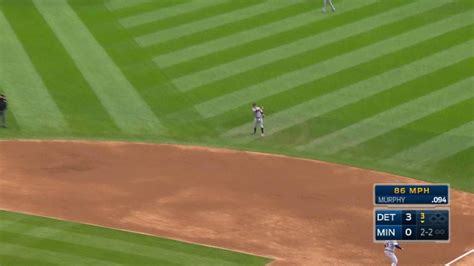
(460, 257)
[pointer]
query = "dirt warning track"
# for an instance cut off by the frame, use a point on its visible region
(301, 212)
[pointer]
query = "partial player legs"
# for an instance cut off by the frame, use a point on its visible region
(3, 122)
(328, 2)
(258, 122)
(332, 6)
(392, 257)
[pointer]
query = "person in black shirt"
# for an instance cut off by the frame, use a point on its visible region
(3, 110)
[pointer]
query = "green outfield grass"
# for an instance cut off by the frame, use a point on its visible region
(378, 84)
(385, 85)
(32, 240)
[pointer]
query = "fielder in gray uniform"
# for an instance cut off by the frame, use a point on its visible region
(328, 2)
(389, 250)
(258, 120)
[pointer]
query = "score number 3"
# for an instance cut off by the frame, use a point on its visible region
(408, 216)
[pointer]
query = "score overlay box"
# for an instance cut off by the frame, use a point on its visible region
(412, 224)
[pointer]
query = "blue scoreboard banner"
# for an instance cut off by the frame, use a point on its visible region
(409, 224)
(421, 194)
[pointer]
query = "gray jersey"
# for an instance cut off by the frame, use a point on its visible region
(390, 245)
(258, 112)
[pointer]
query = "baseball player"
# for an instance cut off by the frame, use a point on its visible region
(3, 110)
(258, 113)
(389, 250)
(328, 2)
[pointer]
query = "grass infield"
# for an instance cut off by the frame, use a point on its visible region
(33, 240)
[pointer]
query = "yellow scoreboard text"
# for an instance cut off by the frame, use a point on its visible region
(411, 190)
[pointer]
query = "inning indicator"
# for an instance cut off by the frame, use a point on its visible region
(409, 224)
(421, 194)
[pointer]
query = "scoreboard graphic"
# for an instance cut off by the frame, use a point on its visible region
(420, 224)
(411, 212)
(419, 194)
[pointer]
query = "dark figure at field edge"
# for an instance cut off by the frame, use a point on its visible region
(3, 110)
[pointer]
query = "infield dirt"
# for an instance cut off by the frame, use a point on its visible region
(300, 212)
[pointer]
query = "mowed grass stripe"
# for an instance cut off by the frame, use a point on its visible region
(14, 224)
(8, 259)
(185, 249)
(319, 70)
(133, 10)
(6, 223)
(310, 56)
(245, 65)
(338, 80)
(358, 111)
(353, 11)
(29, 99)
(438, 148)
(238, 38)
(148, 80)
(78, 250)
(117, 95)
(231, 28)
(418, 131)
(120, 4)
(212, 22)
(40, 237)
(121, 246)
(188, 18)
(164, 13)
(30, 252)
(391, 119)
(303, 55)
(71, 92)
(458, 168)
(72, 233)
(192, 251)
(334, 100)
(11, 247)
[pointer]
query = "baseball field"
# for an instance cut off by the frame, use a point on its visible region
(136, 115)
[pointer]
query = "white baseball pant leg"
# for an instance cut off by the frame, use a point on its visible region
(258, 121)
(392, 257)
(328, 2)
